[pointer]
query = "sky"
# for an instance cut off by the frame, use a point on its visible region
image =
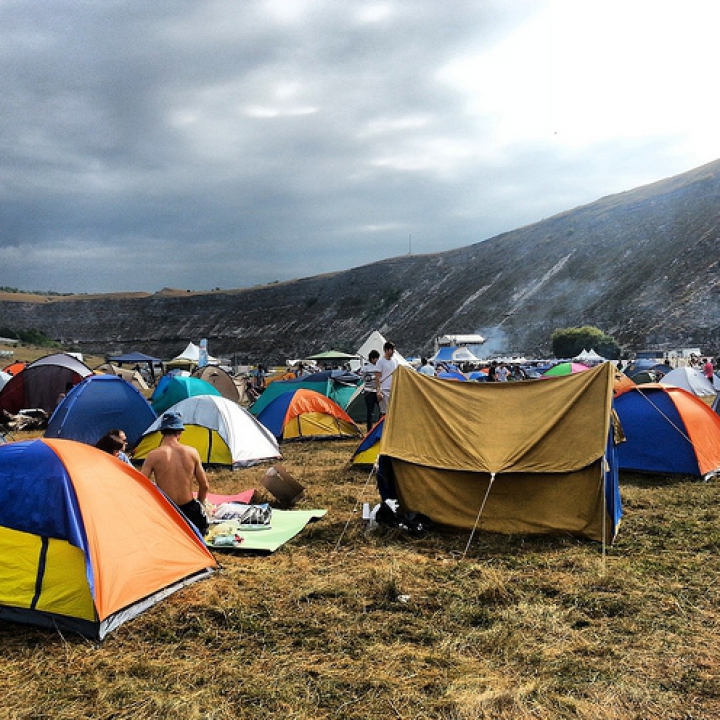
(203, 144)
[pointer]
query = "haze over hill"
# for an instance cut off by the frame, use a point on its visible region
(641, 265)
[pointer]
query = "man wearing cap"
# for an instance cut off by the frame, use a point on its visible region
(175, 467)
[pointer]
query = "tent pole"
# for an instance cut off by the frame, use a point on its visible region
(604, 515)
(372, 472)
(480, 511)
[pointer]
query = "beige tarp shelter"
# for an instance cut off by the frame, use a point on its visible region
(524, 457)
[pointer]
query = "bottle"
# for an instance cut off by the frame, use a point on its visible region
(224, 541)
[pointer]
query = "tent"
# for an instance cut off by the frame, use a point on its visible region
(692, 380)
(223, 433)
(305, 414)
(340, 389)
(589, 357)
(525, 457)
(133, 358)
(15, 368)
(331, 356)
(667, 430)
(132, 376)
(366, 453)
(42, 382)
(86, 541)
(4, 377)
(220, 379)
(136, 359)
(449, 354)
(98, 404)
(648, 366)
(189, 358)
(565, 368)
(376, 341)
(173, 388)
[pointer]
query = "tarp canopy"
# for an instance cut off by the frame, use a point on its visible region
(541, 449)
(332, 356)
(133, 357)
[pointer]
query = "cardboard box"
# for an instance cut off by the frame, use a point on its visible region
(282, 485)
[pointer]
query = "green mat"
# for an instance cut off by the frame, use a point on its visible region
(284, 525)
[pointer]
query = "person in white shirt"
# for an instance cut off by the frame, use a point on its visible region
(426, 367)
(384, 369)
(502, 372)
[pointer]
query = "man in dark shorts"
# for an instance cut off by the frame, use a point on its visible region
(176, 468)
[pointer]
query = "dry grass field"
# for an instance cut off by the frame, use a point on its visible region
(345, 623)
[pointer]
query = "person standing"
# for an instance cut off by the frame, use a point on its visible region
(367, 373)
(501, 372)
(176, 468)
(384, 369)
(708, 369)
(426, 367)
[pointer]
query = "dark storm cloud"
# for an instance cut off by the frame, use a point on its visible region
(200, 145)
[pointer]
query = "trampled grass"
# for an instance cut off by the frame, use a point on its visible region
(345, 623)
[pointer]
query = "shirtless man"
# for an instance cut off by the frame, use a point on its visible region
(175, 466)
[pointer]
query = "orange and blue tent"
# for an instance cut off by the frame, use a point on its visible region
(305, 414)
(86, 541)
(667, 430)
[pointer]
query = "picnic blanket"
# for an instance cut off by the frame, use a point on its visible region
(284, 525)
(229, 534)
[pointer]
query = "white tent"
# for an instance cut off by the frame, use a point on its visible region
(692, 380)
(589, 357)
(192, 353)
(223, 433)
(375, 341)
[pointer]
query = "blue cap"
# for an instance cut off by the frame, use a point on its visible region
(172, 421)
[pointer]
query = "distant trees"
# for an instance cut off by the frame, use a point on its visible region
(28, 337)
(569, 342)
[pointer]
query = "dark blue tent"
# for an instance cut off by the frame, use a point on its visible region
(98, 404)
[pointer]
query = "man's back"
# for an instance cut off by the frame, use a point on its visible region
(174, 467)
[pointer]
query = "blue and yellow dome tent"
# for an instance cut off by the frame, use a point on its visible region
(86, 541)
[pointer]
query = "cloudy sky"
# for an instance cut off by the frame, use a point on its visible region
(198, 144)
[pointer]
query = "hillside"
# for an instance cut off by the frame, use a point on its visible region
(641, 265)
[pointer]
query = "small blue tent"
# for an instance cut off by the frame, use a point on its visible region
(98, 404)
